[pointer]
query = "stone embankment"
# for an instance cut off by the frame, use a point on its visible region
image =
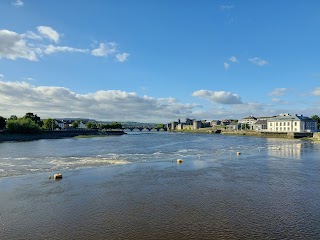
(56, 135)
(316, 136)
(290, 135)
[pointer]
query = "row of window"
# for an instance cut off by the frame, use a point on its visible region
(283, 129)
(283, 124)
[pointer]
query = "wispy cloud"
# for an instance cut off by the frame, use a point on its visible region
(32, 46)
(105, 49)
(17, 3)
(1, 75)
(122, 57)
(279, 101)
(221, 97)
(258, 61)
(233, 59)
(53, 49)
(226, 65)
(316, 91)
(278, 92)
(49, 32)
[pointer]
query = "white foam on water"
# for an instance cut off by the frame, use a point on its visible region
(86, 161)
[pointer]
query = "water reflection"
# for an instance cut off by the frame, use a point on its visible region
(285, 149)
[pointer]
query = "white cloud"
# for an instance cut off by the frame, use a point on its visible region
(316, 91)
(53, 49)
(31, 35)
(226, 66)
(49, 32)
(122, 57)
(105, 49)
(221, 97)
(258, 61)
(1, 75)
(233, 59)
(279, 101)
(13, 46)
(17, 3)
(49, 101)
(278, 92)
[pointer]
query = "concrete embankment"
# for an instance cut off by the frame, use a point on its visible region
(56, 135)
(290, 135)
(316, 136)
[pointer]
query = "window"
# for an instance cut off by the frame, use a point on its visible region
(284, 123)
(295, 123)
(280, 124)
(280, 128)
(288, 123)
(288, 129)
(276, 124)
(270, 124)
(276, 129)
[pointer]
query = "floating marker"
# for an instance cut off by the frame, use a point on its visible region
(57, 176)
(179, 160)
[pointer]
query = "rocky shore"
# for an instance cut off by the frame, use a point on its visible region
(4, 137)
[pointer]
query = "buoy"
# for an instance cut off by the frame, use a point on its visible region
(238, 153)
(57, 176)
(49, 177)
(179, 160)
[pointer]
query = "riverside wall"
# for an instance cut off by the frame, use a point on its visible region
(291, 135)
(4, 137)
(316, 136)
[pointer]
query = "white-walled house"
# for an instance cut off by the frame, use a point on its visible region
(288, 123)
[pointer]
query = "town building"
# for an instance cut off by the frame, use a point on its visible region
(288, 123)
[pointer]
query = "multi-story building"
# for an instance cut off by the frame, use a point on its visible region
(288, 123)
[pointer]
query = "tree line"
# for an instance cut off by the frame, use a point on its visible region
(31, 123)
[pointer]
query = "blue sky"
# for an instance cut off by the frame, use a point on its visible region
(156, 61)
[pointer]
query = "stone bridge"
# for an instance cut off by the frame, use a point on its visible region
(140, 128)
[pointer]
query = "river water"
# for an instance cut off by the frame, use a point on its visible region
(131, 187)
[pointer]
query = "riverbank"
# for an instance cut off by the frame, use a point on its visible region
(289, 135)
(5, 137)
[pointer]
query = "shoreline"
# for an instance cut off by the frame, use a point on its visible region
(7, 137)
(284, 135)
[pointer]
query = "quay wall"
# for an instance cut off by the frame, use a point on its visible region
(290, 135)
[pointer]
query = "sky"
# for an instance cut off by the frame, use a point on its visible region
(159, 61)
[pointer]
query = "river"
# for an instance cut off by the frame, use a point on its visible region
(131, 187)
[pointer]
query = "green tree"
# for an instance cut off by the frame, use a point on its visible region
(2, 123)
(245, 126)
(50, 124)
(75, 124)
(13, 117)
(34, 118)
(22, 126)
(161, 125)
(115, 125)
(89, 125)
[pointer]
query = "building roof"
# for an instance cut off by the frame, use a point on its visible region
(249, 118)
(261, 122)
(292, 118)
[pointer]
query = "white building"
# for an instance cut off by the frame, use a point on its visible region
(288, 123)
